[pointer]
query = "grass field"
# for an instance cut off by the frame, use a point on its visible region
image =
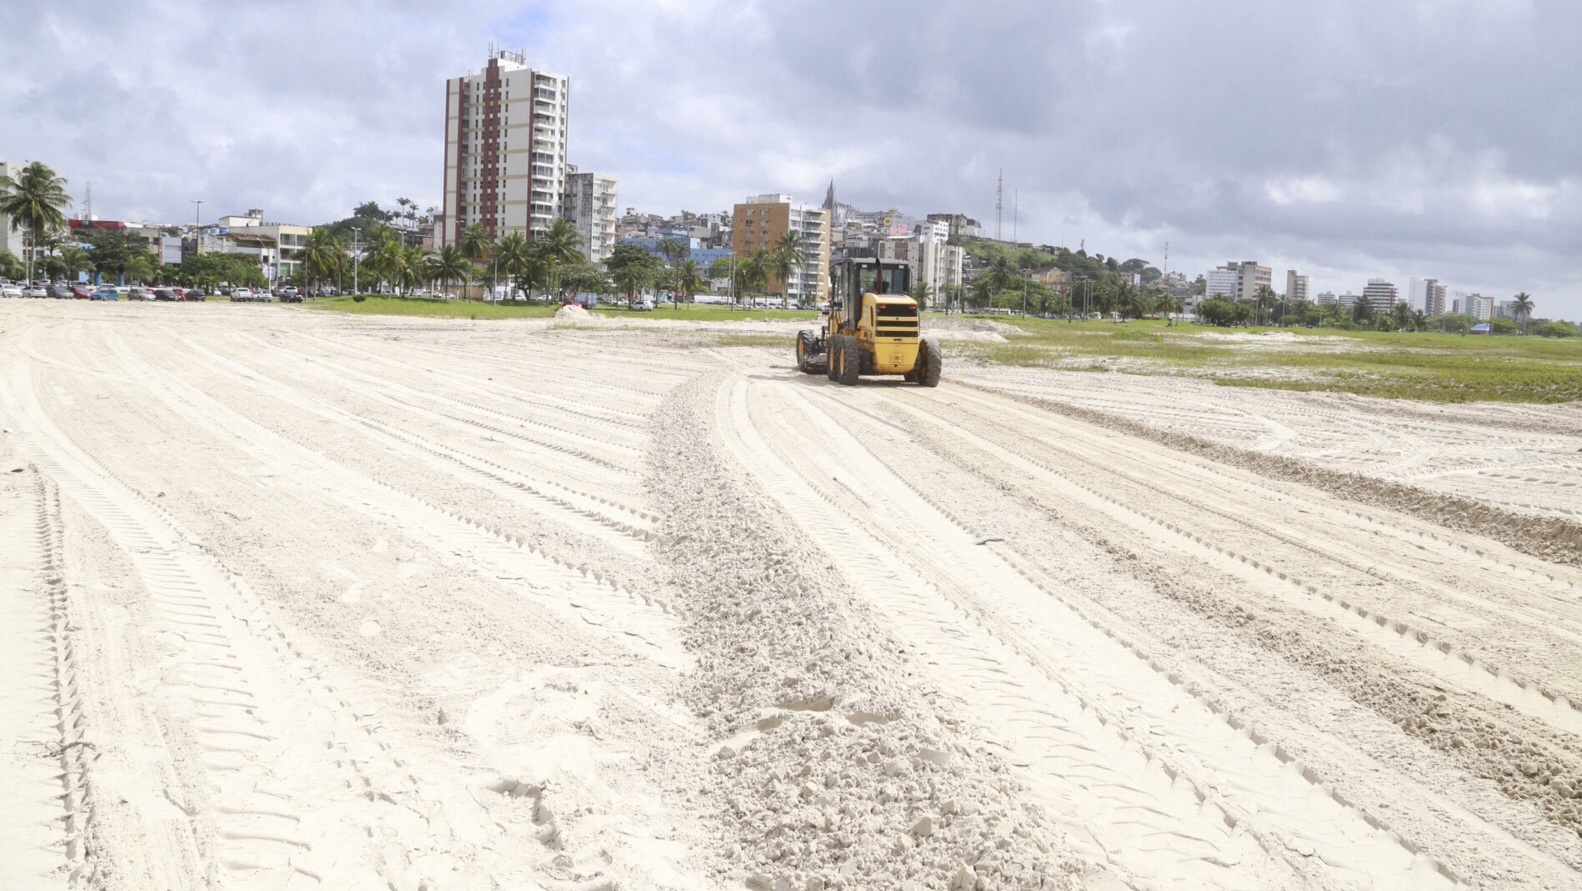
(1433, 367)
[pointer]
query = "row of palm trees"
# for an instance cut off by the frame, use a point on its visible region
(386, 260)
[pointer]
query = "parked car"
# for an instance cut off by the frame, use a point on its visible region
(164, 294)
(10, 289)
(36, 289)
(106, 294)
(140, 294)
(643, 305)
(60, 292)
(81, 292)
(194, 294)
(290, 296)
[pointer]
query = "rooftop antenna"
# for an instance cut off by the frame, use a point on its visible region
(999, 207)
(1167, 258)
(87, 202)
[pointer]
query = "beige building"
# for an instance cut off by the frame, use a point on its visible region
(281, 248)
(761, 220)
(505, 149)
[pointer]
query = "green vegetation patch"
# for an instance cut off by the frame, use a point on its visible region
(1430, 367)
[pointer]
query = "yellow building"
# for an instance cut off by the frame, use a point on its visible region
(761, 220)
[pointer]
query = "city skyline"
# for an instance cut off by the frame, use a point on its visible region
(1348, 142)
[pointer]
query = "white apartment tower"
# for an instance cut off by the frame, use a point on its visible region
(589, 205)
(505, 149)
(1295, 286)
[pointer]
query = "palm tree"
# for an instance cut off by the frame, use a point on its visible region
(673, 249)
(476, 245)
(34, 200)
(559, 245)
(387, 256)
(138, 267)
(1402, 316)
(414, 266)
(1524, 308)
(688, 277)
(1169, 304)
(921, 292)
(449, 265)
(324, 255)
(518, 260)
(790, 255)
(75, 260)
(1262, 300)
(754, 270)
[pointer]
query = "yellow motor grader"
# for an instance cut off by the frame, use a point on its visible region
(870, 327)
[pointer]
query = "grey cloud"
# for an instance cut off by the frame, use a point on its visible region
(1352, 138)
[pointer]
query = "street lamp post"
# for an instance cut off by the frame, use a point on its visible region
(356, 256)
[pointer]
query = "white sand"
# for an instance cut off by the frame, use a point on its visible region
(294, 600)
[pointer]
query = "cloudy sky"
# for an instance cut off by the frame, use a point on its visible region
(1349, 139)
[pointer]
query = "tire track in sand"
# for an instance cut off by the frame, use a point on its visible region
(1226, 808)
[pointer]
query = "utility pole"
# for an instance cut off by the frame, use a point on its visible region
(356, 256)
(999, 207)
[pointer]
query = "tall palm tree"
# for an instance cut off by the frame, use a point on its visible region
(414, 266)
(324, 255)
(34, 199)
(790, 254)
(689, 278)
(1524, 308)
(558, 246)
(517, 260)
(754, 270)
(387, 256)
(1262, 300)
(476, 244)
(921, 292)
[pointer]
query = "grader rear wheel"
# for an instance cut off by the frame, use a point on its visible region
(833, 371)
(804, 350)
(930, 363)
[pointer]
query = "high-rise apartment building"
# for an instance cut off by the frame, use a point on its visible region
(589, 205)
(1238, 281)
(761, 221)
(505, 149)
(1295, 286)
(1380, 293)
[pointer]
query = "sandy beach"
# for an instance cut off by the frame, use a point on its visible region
(296, 600)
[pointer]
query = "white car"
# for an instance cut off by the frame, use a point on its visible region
(10, 289)
(35, 289)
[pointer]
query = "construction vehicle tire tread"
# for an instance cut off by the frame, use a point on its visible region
(932, 362)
